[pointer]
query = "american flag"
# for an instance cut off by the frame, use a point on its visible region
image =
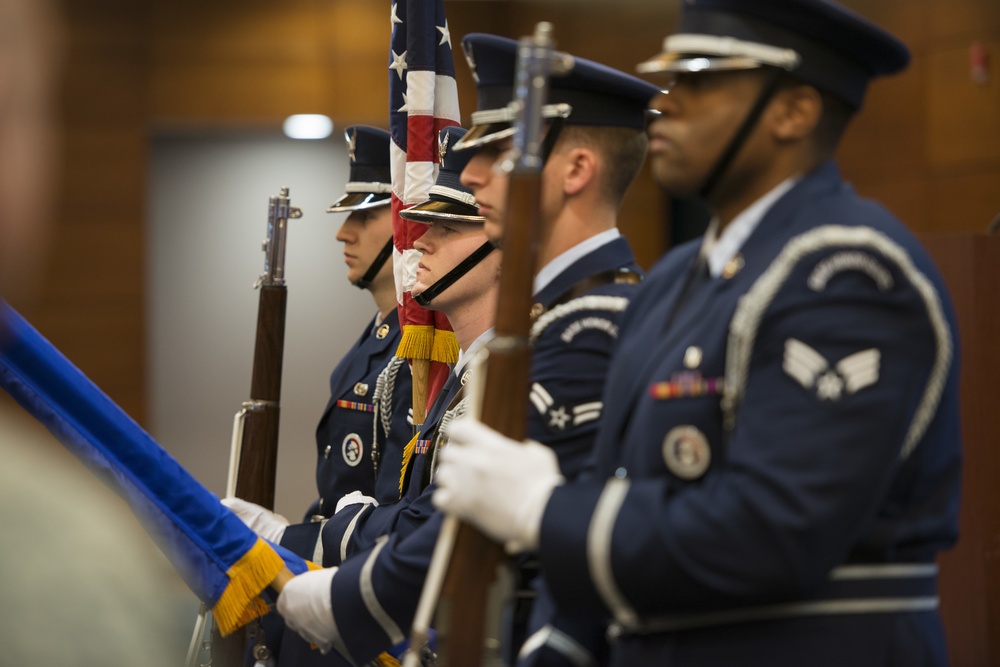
(423, 99)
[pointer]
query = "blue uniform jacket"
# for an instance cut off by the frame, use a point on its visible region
(779, 460)
(361, 433)
(375, 592)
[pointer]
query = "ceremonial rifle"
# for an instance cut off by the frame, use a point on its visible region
(465, 561)
(254, 454)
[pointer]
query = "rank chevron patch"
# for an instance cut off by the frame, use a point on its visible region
(560, 417)
(811, 369)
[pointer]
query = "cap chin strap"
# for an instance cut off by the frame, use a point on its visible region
(736, 143)
(429, 294)
(365, 281)
(466, 265)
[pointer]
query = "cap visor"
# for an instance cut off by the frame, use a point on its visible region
(676, 62)
(480, 135)
(430, 211)
(355, 201)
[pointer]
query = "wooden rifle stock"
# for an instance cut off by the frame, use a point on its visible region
(259, 446)
(475, 557)
(256, 455)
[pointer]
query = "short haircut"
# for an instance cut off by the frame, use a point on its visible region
(623, 150)
(836, 115)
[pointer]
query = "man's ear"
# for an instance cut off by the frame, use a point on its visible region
(797, 113)
(581, 167)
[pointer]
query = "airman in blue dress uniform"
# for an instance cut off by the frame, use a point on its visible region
(366, 422)
(583, 287)
(356, 529)
(778, 465)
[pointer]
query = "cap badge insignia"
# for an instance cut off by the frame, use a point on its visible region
(443, 146)
(352, 146)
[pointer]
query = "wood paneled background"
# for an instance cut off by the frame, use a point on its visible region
(927, 144)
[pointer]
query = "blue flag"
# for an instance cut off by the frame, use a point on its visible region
(222, 560)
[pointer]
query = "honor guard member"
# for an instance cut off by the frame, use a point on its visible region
(779, 462)
(587, 276)
(365, 605)
(453, 206)
(366, 423)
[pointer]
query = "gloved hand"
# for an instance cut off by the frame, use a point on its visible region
(307, 607)
(498, 484)
(261, 520)
(354, 498)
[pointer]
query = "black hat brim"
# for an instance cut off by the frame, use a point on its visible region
(434, 211)
(355, 201)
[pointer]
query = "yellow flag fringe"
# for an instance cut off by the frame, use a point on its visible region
(386, 660)
(407, 455)
(240, 603)
(417, 342)
(445, 347)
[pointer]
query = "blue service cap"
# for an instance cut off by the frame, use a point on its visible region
(370, 181)
(448, 198)
(590, 93)
(817, 41)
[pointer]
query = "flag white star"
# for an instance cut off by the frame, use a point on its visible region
(398, 63)
(405, 102)
(394, 19)
(445, 34)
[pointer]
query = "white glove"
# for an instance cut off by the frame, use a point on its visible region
(307, 607)
(354, 498)
(498, 484)
(261, 520)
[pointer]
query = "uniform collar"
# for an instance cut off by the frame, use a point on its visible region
(551, 270)
(719, 249)
(465, 355)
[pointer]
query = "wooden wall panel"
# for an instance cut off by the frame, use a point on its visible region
(960, 20)
(970, 573)
(235, 94)
(114, 185)
(965, 201)
(963, 115)
(91, 301)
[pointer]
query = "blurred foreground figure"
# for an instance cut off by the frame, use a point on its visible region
(82, 584)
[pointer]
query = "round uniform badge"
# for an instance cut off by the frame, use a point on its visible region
(686, 452)
(352, 449)
(382, 332)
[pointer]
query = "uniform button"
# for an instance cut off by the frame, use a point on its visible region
(692, 357)
(326, 452)
(733, 267)
(621, 473)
